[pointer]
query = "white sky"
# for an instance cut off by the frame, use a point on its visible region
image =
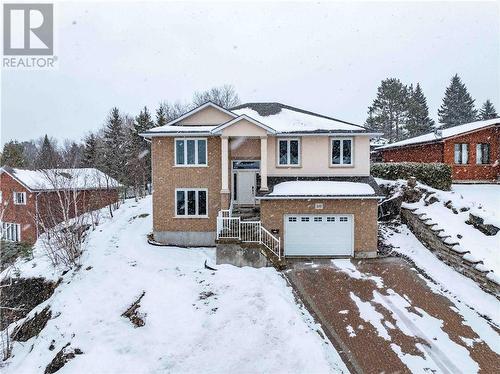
(325, 57)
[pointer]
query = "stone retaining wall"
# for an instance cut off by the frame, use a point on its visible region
(454, 257)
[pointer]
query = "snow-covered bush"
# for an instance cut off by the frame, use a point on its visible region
(437, 175)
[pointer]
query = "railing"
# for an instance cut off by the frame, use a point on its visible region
(229, 227)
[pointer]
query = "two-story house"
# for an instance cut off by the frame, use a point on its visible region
(305, 175)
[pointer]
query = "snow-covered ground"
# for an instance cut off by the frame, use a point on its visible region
(196, 320)
(480, 200)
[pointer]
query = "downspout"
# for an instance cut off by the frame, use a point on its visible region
(36, 214)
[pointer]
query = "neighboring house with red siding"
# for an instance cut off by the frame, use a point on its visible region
(30, 199)
(471, 149)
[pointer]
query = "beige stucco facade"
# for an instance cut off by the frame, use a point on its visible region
(206, 117)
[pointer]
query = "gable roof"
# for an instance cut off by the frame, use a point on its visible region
(61, 179)
(446, 133)
(219, 128)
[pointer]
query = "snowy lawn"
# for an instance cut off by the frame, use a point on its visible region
(486, 195)
(196, 320)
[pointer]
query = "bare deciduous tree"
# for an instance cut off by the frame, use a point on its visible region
(224, 96)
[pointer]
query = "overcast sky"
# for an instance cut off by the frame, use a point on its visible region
(324, 57)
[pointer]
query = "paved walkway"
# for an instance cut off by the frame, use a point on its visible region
(383, 316)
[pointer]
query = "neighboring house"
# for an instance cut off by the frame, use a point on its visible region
(34, 199)
(305, 176)
(472, 150)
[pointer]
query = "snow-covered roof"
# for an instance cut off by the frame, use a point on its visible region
(275, 117)
(445, 133)
(321, 189)
(60, 179)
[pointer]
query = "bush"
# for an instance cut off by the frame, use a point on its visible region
(434, 174)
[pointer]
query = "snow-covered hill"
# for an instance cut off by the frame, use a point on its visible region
(196, 320)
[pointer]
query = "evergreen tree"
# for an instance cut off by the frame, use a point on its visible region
(13, 155)
(418, 121)
(458, 105)
(72, 155)
(114, 146)
(487, 111)
(161, 115)
(90, 151)
(389, 111)
(48, 157)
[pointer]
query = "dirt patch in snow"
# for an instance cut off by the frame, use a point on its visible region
(61, 358)
(133, 314)
(32, 326)
(19, 296)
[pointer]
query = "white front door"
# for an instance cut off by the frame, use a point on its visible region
(318, 235)
(245, 187)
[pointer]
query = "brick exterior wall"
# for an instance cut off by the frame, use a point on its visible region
(244, 149)
(167, 177)
(423, 153)
(47, 205)
(444, 152)
(364, 211)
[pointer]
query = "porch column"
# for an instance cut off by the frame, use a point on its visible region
(225, 165)
(263, 163)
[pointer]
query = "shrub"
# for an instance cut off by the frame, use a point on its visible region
(437, 175)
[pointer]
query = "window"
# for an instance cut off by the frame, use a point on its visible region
(461, 153)
(288, 152)
(11, 231)
(292, 219)
(482, 153)
(190, 152)
(343, 219)
(330, 219)
(191, 203)
(318, 219)
(304, 219)
(19, 198)
(341, 151)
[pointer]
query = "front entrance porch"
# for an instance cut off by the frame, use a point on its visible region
(245, 182)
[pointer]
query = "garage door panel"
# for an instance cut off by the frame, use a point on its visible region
(318, 235)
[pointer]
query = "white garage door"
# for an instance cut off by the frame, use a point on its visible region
(318, 235)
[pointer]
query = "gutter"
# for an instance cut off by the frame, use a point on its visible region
(319, 197)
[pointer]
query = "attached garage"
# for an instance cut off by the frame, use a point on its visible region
(318, 235)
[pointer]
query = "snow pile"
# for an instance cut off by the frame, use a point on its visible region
(321, 188)
(196, 320)
(287, 120)
(446, 133)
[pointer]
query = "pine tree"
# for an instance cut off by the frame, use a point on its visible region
(458, 105)
(72, 155)
(90, 151)
(48, 157)
(114, 146)
(418, 121)
(161, 115)
(13, 155)
(389, 111)
(487, 111)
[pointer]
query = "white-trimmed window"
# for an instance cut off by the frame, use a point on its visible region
(341, 151)
(288, 152)
(191, 152)
(482, 153)
(11, 231)
(191, 202)
(461, 153)
(19, 198)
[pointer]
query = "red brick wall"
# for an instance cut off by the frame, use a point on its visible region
(25, 214)
(444, 152)
(473, 171)
(422, 153)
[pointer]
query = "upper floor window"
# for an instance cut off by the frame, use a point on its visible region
(461, 153)
(191, 202)
(482, 153)
(288, 152)
(19, 198)
(190, 152)
(341, 151)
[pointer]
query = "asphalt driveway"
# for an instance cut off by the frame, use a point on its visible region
(384, 316)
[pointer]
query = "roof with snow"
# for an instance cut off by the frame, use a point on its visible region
(61, 179)
(446, 133)
(277, 118)
(322, 187)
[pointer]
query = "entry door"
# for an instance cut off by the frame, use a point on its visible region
(246, 187)
(318, 235)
